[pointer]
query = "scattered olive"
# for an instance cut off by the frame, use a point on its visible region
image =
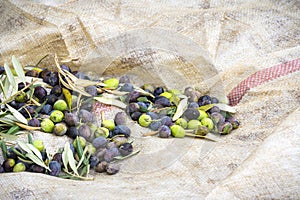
(55, 168)
(60, 129)
(164, 131)
(34, 122)
(120, 118)
(85, 116)
(126, 149)
(92, 90)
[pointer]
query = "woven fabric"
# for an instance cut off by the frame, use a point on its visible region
(261, 77)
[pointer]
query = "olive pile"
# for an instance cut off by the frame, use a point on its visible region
(155, 111)
(102, 151)
(58, 111)
(105, 141)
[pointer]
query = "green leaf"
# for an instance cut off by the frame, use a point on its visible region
(3, 89)
(68, 96)
(69, 159)
(4, 149)
(225, 107)
(113, 102)
(180, 109)
(30, 140)
(206, 107)
(19, 69)
(143, 99)
(13, 130)
(37, 161)
(17, 114)
(11, 78)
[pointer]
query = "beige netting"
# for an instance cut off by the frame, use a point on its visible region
(209, 44)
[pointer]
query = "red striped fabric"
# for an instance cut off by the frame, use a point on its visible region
(261, 77)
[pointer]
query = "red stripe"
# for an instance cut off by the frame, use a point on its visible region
(261, 77)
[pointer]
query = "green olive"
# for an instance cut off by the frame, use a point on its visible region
(177, 131)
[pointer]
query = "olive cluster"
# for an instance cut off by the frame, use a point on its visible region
(156, 110)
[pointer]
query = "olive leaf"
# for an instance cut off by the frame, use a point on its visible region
(143, 99)
(65, 157)
(180, 109)
(3, 148)
(110, 101)
(143, 92)
(68, 159)
(124, 157)
(17, 114)
(37, 161)
(206, 107)
(23, 146)
(12, 130)
(35, 151)
(225, 107)
(68, 96)
(115, 92)
(11, 78)
(19, 69)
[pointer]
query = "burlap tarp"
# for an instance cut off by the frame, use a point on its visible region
(209, 44)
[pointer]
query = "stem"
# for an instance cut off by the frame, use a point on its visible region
(200, 136)
(151, 133)
(17, 93)
(41, 60)
(79, 177)
(124, 157)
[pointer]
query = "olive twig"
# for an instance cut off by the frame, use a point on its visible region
(79, 177)
(118, 158)
(199, 136)
(151, 133)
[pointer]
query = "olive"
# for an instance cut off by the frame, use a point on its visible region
(1, 167)
(71, 119)
(131, 108)
(166, 120)
(153, 115)
(154, 126)
(21, 98)
(21, 85)
(148, 88)
(217, 118)
(80, 75)
(85, 131)
(65, 67)
(47, 125)
(190, 93)
(92, 90)
(177, 131)
(161, 101)
(225, 128)
(85, 116)
(57, 90)
(51, 99)
(36, 168)
(55, 168)
(111, 153)
(181, 122)
(32, 73)
(234, 122)
(132, 96)
(124, 79)
(72, 132)
(204, 100)
(143, 107)
(40, 93)
(101, 167)
(208, 123)
(82, 142)
(44, 73)
(202, 130)
(214, 109)
(28, 111)
(19, 167)
(145, 120)
(191, 113)
(112, 168)
(56, 116)
(52, 79)
(214, 100)
(14, 104)
(157, 91)
(99, 142)
(126, 149)
(47, 109)
(34, 122)
(109, 124)
(57, 157)
(122, 130)
(94, 161)
(2, 70)
(39, 145)
(194, 124)
(120, 118)
(193, 105)
(60, 129)
(135, 115)
(60, 105)
(127, 87)
(8, 164)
